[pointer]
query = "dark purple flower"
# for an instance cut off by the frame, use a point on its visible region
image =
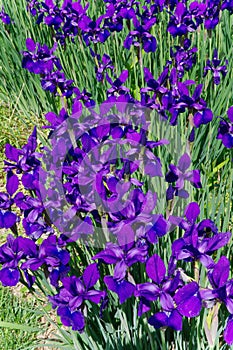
(184, 58)
(181, 22)
(52, 255)
(212, 14)
(196, 105)
(39, 59)
(102, 65)
(57, 84)
(117, 87)
(92, 30)
(225, 130)
(5, 17)
(215, 68)
(175, 300)
(141, 35)
(200, 240)
(71, 298)
(123, 255)
(122, 288)
(177, 175)
(26, 159)
(11, 254)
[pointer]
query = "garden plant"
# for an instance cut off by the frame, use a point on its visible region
(118, 207)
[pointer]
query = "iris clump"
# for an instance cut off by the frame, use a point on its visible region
(103, 210)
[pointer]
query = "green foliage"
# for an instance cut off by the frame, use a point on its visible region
(19, 321)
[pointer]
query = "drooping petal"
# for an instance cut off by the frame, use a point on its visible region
(78, 321)
(95, 295)
(9, 277)
(186, 292)
(158, 320)
(123, 289)
(175, 320)
(9, 219)
(148, 291)
(190, 307)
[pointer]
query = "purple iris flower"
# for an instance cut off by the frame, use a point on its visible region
(117, 12)
(83, 96)
(175, 299)
(53, 256)
(92, 31)
(117, 87)
(184, 57)
(222, 291)
(101, 65)
(142, 35)
(124, 254)
(11, 254)
(50, 14)
(5, 17)
(8, 219)
(196, 105)
(57, 84)
(178, 175)
(215, 68)
(225, 130)
(24, 161)
(33, 6)
(227, 5)
(199, 240)
(181, 22)
(212, 14)
(39, 59)
(70, 301)
(188, 303)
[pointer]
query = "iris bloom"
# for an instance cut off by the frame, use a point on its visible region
(225, 130)
(215, 68)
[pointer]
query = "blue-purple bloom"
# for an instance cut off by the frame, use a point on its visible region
(225, 130)
(177, 175)
(70, 301)
(39, 59)
(215, 67)
(5, 17)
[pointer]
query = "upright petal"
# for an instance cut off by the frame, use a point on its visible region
(221, 272)
(155, 268)
(184, 162)
(192, 211)
(91, 275)
(228, 333)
